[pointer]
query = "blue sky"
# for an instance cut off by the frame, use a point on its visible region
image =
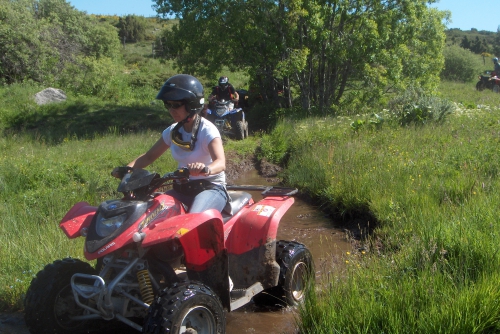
(466, 14)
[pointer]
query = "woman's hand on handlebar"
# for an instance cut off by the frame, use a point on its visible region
(198, 168)
(119, 172)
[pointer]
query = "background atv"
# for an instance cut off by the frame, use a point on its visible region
(488, 80)
(229, 120)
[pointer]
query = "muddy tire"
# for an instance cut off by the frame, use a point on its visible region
(184, 308)
(296, 268)
(49, 301)
(246, 129)
(480, 86)
(240, 130)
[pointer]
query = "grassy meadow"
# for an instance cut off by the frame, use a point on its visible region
(56, 155)
(428, 196)
(428, 262)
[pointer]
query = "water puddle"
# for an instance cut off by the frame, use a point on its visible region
(303, 223)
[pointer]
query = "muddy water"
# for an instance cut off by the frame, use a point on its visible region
(303, 223)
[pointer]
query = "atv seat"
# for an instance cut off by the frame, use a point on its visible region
(238, 200)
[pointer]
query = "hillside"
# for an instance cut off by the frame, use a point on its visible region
(480, 40)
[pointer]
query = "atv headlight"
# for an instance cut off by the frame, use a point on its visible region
(106, 226)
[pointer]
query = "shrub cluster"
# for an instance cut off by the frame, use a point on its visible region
(415, 106)
(460, 64)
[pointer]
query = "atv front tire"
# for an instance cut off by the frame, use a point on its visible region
(246, 129)
(240, 130)
(49, 303)
(184, 308)
(296, 268)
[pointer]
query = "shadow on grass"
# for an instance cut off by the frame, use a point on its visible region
(53, 123)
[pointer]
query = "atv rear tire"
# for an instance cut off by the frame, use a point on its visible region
(49, 301)
(480, 86)
(185, 306)
(246, 129)
(296, 268)
(240, 130)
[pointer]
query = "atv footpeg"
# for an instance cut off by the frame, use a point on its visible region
(240, 297)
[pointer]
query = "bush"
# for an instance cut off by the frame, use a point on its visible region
(460, 64)
(94, 77)
(415, 106)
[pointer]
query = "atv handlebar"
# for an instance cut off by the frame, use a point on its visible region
(120, 172)
(139, 183)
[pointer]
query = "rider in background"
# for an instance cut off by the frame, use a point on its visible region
(225, 91)
(497, 67)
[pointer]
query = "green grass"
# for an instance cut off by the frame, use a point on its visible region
(431, 193)
(429, 262)
(467, 95)
(39, 183)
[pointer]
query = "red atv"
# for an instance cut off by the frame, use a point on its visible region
(162, 270)
(489, 81)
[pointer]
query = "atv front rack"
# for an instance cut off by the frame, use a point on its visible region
(266, 191)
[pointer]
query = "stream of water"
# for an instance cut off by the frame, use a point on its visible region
(303, 223)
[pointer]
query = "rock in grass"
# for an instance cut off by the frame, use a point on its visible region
(50, 95)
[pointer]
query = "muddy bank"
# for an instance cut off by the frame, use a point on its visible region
(356, 228)
(237, 164)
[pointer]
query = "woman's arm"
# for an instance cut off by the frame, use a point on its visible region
(218, 160)
(151, 155)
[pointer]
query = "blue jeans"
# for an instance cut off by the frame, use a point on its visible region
(215, 198)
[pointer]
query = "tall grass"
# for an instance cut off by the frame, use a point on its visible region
(40, 180)
(429, 257)
(39, 183)
(431, 191)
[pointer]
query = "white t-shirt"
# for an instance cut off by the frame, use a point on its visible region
(206, 133)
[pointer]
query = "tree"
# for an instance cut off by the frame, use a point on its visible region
(329, 52)
(460, 64)
(465, 43)
(496, 44)
(132, 28)
(40, 37)
(476, 46)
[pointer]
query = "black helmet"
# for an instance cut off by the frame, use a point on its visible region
(223, 82)
(183, 87)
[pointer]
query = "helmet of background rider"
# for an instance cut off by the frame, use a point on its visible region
(183, 87)
(223, 82)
